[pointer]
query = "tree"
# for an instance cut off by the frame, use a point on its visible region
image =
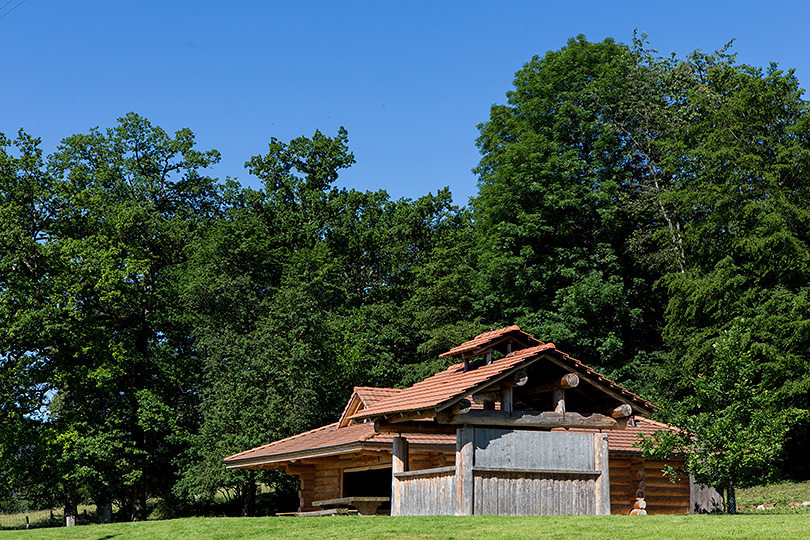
(552, 228)
(303, 290)
(735, 432)
(93, 328)
(632, 207)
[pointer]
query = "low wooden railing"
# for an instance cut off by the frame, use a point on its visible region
(428, 492)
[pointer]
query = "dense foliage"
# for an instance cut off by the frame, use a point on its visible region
(650, 215)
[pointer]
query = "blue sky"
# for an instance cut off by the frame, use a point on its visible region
(410, 80)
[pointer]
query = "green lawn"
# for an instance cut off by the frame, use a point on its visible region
(783, 527)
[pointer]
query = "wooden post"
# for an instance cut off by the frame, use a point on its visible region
(465, 456)
(558, 400)
(602, 484)
(507, 400)
(399, 464)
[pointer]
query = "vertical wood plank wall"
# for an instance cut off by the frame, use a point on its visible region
(430, 492)
(514, 473)
(527, 473)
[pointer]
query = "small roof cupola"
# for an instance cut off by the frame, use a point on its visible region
(504, 340)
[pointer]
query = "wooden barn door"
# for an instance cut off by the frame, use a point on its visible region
(526, 473)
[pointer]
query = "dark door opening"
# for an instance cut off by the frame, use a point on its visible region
(371, 483)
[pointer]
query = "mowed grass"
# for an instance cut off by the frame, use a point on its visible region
(703, 527)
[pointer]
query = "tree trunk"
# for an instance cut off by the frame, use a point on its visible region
(103, 508)
(70, 510)
(139, 500)
(732, 500)
(248, 498)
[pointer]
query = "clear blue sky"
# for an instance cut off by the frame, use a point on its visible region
(409, 80)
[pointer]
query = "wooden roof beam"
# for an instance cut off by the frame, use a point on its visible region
(528, 419)
(603, 387)
(415, 426)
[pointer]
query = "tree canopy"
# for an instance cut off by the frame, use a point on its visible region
(646, 213)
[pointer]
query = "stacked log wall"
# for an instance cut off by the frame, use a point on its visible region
(323, 479)
(634, 476)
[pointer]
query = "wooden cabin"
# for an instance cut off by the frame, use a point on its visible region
(516, 427)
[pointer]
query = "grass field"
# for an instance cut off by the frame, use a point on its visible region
(741, 527)
(788, 519)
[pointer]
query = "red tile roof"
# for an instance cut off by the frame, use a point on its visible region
(435, 393)
(370, 395)
(328, 440)
(482, 340)
(443, 389)
(331, 440)
(334, 436)
(364, 397)
(451, 384)
(625, 440)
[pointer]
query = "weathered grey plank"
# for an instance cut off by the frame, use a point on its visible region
(465, 460)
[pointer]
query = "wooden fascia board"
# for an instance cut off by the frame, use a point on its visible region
(452, 401)
(330, 452)
(296, 456)
(587, 378)
(406, 416)
(414, 427)
(352, 408)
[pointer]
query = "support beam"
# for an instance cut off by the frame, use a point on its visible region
(507, 399)
(622, 411)
(408, 416)
(415, 426)
(465, 455)
(558, 400)
(482, 397)
(569, 380)
(601, 462)
(528, 419)
(399, 463)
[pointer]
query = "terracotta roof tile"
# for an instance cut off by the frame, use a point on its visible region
(363, 397)
(450, 384)
(489, 337)
(329, 437)
(370, 395)
(444, 388)
(625, 440)
(334, 438)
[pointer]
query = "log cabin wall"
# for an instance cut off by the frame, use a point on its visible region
(634, 476)
(322, 479)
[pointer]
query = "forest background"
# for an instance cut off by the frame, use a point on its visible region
(647, 214)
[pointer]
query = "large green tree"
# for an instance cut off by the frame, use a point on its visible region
(303, 290)
(558, 161)
(92, 326)
(633, 208)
